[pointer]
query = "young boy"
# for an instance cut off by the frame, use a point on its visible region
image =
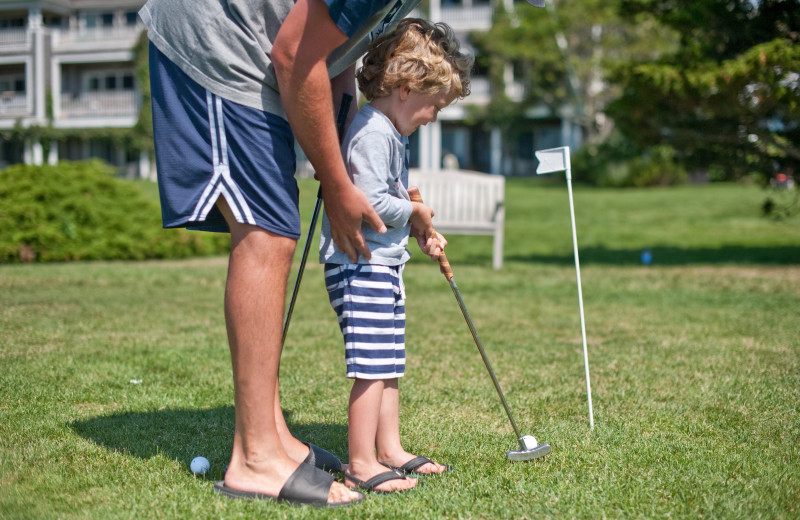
(409, 74)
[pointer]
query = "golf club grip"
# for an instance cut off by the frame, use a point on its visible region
(444, 264)
(341, 118)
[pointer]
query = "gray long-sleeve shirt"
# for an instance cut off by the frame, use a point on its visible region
(376, 157)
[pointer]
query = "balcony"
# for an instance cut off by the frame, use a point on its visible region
(100, 106)
(13, 39)
(13, 104)
(481, 90)
(464, 19)
(106, 38)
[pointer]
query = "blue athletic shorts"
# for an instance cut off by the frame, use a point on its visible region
(369, 301)
(207, 147)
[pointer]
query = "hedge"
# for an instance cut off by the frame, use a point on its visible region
(81, 211)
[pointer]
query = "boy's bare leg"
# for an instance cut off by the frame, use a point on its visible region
(365, 407)
(390, 449)
(254, 300)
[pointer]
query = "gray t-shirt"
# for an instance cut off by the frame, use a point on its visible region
(224, 45)
(376, 156)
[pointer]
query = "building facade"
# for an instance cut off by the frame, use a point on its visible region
(67, 69)
(69, 91)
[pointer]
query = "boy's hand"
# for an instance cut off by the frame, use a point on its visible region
(430, 242)
(431, 246)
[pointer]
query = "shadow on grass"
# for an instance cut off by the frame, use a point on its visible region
(182, 434)
(673, 256)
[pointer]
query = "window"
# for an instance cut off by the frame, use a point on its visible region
(12, 83)
(53, 21)
(525, 145)
(131, 18)
(95, 20)
(10, 23)
(109, 80)
(90, 20)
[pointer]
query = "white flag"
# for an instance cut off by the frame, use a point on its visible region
(553, 160)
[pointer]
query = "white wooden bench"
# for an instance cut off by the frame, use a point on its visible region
(465, 203)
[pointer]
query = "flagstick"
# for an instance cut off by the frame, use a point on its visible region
(556, 160)
(580, 292)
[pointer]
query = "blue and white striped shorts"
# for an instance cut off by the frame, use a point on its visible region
(369, 301)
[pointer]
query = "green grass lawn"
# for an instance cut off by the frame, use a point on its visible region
(115, 375)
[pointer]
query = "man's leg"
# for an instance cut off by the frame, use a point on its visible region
(296, 449)
(254, 300)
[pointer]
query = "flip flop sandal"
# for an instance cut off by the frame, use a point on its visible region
(417, 462)
(323, 459)
(307, 486)
(377, 480)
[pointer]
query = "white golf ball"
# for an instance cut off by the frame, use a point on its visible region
(199, 465)
(530, 442)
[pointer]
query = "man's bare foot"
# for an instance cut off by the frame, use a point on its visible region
(271, 480)
(341, 493)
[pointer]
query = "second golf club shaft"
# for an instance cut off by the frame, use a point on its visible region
(447, 271)
(341, 120)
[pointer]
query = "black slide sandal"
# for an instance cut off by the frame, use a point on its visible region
(307, 486)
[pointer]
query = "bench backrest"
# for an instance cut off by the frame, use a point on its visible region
(464, 202)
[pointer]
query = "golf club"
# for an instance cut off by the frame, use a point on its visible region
(528, 447)
(341, 119)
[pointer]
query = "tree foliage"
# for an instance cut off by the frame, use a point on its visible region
(717, 81)
(561, 56)
(728, 97)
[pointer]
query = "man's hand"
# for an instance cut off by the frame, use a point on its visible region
(347, 207)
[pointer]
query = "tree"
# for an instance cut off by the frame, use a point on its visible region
(727, 99)
(561, 55)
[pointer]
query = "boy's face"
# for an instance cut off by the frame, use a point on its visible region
(419, 109)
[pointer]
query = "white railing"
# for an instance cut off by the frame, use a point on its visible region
(100, 104)
(480, 90)
(13, 104)
(97, 34)
(13, 36)
(474, 18)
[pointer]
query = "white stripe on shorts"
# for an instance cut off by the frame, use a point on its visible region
(221, 182)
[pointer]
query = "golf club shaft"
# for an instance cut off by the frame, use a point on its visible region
(341, 120)
(444, 267)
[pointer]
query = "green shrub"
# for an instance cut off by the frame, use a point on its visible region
(80, 211)
(620, 163)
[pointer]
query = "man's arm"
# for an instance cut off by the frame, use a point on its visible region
(304, 41)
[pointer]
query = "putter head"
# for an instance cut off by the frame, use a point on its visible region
(535, 453)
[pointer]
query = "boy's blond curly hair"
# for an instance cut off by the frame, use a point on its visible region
(416, 53)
